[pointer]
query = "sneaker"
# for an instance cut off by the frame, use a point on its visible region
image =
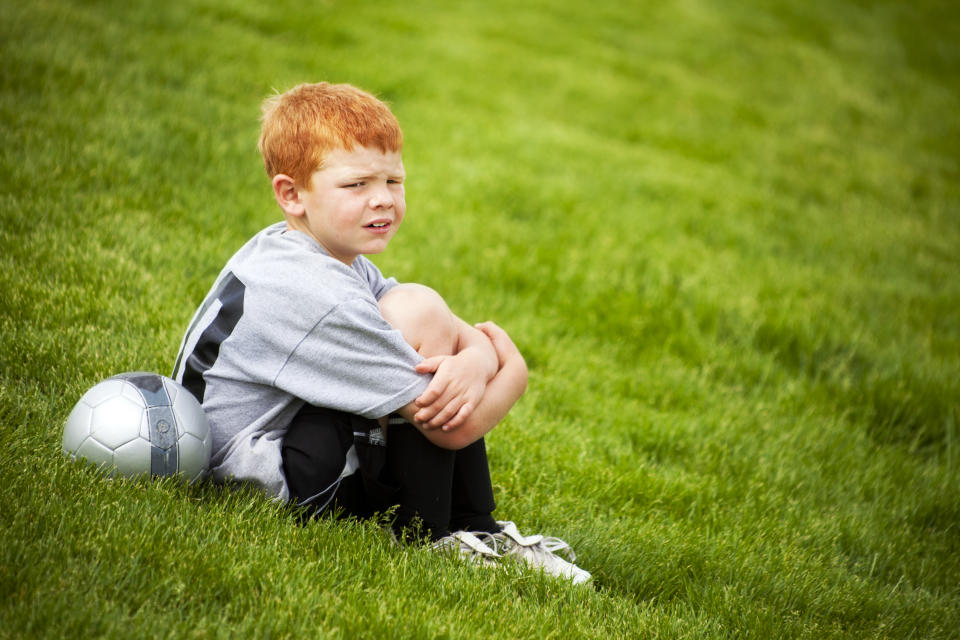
(537, 551)
(469, 546)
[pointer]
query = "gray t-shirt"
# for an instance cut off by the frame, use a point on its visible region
(286, 324)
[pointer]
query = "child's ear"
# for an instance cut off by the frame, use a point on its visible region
(285, 191)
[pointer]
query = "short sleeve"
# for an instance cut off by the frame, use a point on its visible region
(353, 361)
(378, 284)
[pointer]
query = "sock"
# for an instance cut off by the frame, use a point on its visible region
(472, 500)
(424, 473)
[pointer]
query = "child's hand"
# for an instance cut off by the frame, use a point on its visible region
(502, 343)
(458, 384)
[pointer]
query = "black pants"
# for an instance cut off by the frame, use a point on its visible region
(438, 489)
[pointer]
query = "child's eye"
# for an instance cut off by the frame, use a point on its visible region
(353, 185)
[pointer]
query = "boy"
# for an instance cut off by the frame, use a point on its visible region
(302, 353)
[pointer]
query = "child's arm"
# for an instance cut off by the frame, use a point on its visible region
(500, 395)
(460, 378)
(462, 358)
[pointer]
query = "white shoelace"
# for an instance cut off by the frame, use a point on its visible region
(542, 552)
(468, 545)
(510, 537)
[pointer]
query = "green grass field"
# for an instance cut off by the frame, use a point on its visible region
(726, 236)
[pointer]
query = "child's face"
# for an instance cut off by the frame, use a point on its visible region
(354, 204)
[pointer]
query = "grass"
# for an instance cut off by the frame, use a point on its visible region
(725, 236)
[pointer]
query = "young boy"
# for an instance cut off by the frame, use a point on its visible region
(327, 384)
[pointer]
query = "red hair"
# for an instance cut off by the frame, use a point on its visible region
(301, 126)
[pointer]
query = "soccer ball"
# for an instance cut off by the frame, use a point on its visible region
(140, 424)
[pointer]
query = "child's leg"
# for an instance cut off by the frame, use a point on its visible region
(423, 473)
(446, 489)
(422, 316)
(332, 458)
(472, 492)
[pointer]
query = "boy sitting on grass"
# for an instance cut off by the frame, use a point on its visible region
(333, 387)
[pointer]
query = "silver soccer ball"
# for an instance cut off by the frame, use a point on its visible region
(140, 423)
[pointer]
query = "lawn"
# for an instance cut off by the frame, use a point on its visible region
(725, 235)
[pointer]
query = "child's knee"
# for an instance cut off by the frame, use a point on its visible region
(423, 318)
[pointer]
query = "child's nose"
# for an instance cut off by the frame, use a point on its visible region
(381, 198)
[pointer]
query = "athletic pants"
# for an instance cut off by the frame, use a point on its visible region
(333, 459)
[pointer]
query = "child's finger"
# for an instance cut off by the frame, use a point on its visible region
(445, 414)
(460, 418)
(435, 394)
(429, 404)
(432, 414)
(488, 328)
(430, 365)
(493, 332)
(501, 339)
(434, 391)
(429, 411)
(428, 397)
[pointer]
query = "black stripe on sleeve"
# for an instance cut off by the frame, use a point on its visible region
(207, 349)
